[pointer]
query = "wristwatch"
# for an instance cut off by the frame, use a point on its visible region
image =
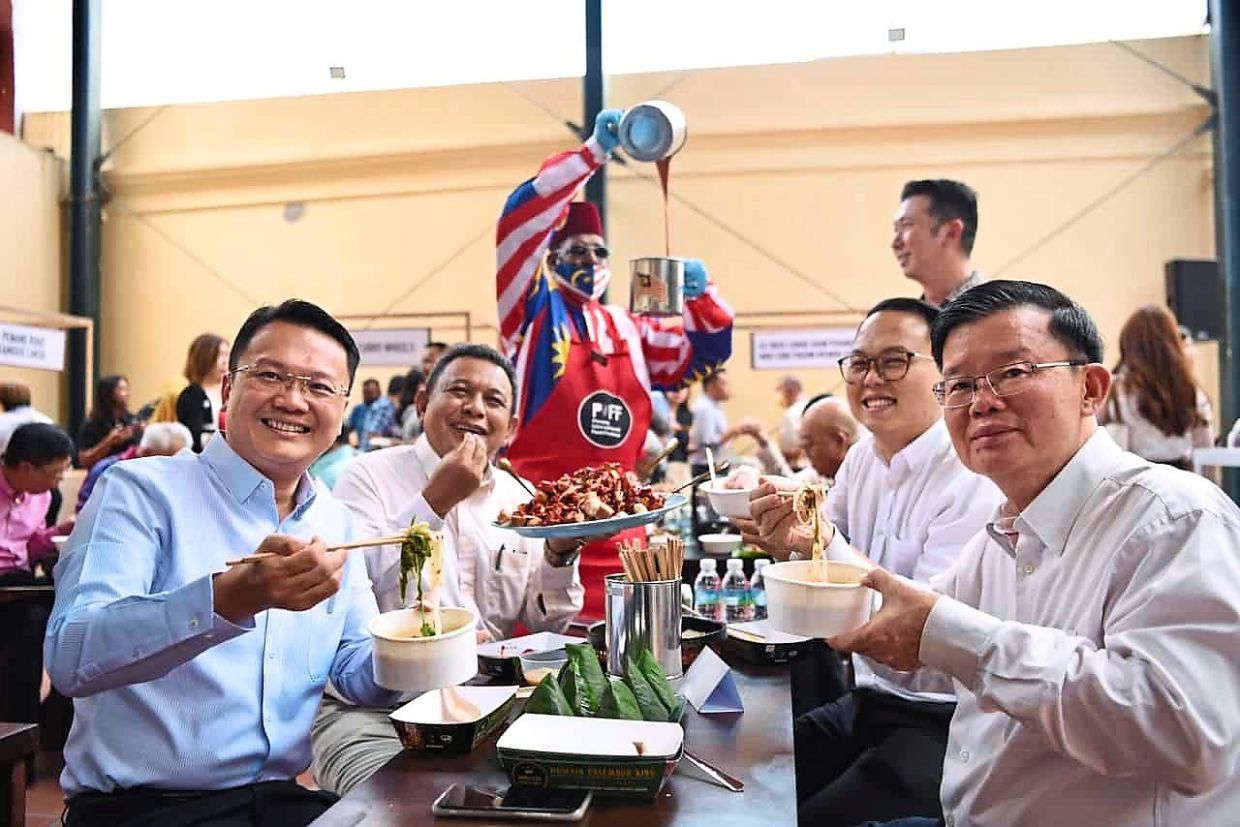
(560, 559)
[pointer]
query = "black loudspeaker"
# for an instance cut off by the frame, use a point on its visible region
(1194, 296)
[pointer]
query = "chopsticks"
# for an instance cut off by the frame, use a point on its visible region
(701, 478)
(395, 539)
(506, 466)
(664, 454)
(664, 561)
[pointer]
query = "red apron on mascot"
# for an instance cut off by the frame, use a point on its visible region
(599, 412)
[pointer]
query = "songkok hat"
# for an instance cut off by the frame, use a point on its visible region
(582, 219)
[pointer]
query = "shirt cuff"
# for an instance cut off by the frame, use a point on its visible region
(839, 550)
(420, 511)
(953, 639)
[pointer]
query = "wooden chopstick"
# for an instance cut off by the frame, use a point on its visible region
(700, 478)
(506, 466)
(395, 539)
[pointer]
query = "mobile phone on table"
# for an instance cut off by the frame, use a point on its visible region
(471, 801)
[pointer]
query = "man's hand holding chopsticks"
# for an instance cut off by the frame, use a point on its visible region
(774, 526)
(298, 576)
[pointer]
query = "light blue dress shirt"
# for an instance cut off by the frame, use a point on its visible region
(167, 693)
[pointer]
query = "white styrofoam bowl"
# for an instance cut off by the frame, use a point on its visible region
(799, 606)
(728, 502)
(719, 545)
(415, 664)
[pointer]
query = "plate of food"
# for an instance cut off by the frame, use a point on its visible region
(590, 502)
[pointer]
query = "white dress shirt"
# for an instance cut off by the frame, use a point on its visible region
(1145, 439)
(502, 575)
(912, 517)
(709, 425)
(1098, 655)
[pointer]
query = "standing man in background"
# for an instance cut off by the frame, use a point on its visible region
(934, 230)
(585, 369)
(792, 399)
(373, 417)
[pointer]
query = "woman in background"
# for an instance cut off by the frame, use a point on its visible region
(110, 428)
(199, 405)
(1155, 398)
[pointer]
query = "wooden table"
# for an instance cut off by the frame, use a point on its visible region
(17, 743)
(755, 746)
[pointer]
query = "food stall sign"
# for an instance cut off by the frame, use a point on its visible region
(32, 347)
(820, 347)
(392, 346)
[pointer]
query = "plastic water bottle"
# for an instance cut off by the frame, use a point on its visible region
(735, 592)
(757, 589)
(706, 591)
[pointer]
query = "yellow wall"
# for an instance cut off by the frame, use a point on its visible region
(806, 160)
(31, 252)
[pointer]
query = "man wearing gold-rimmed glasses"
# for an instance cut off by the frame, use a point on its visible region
(1091, 627)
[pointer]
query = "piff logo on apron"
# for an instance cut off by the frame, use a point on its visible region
(604, 419)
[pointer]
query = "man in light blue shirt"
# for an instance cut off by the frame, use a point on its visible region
(194, 683)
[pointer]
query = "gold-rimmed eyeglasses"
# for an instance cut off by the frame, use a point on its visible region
(270, 379)
(1008, 380)
(891, 365)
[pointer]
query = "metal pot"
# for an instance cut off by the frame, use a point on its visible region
(652, 130)
(656, 286)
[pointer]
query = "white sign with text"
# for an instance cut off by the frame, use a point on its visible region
(820, 347)
(32, 347)
(393, 346)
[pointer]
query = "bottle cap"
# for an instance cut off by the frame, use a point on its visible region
(736, 564)
(706, 564)
(761, 563)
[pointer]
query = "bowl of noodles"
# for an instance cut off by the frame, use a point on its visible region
(408, 659)
(816, 598)
(426, 646)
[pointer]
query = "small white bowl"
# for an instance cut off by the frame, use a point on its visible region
(719, 545)
(415, 664)
(728, 502)
(800, 606)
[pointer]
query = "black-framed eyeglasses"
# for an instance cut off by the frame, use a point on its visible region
(270, 379)
(1008, 380)
(580, 250)
(891, 365)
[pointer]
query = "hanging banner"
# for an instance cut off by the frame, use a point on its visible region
(821, 347)
(32, 347)
(392, 346)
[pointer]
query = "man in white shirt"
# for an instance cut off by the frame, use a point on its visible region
(932, 237)
(17, 411)
(446, 479)
(1091, 628)
(905, 502)
(792, 399)
(827, 432)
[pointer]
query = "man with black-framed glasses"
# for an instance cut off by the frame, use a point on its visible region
(1091, 627)
(901, 500)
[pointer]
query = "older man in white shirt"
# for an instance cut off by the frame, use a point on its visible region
(446, 479)
(904, 501)
(1092, 628)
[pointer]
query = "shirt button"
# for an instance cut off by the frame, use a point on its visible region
(271, 656)
(193, 623)
(964, 755)
(1028, 569)
(950, 820)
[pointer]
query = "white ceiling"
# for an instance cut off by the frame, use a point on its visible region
(174, 51)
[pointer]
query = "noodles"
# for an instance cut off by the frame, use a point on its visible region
(807, 506)
(419, 546)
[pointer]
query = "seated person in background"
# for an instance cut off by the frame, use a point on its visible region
(903, 500)
(827, 431)
(793, 400)
(199, 403)
(373, 417)
(1156, 402)
(194, 683)
(331, 465)
(159, 439)
(446, 479)
(35, 461)
(17, 410)
(1091, 628)
(111, 427)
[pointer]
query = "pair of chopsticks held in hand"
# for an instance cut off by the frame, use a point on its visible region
(395, 539)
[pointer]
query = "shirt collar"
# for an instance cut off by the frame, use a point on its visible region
(242, 479)
(1055, 510)
(919, 451)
